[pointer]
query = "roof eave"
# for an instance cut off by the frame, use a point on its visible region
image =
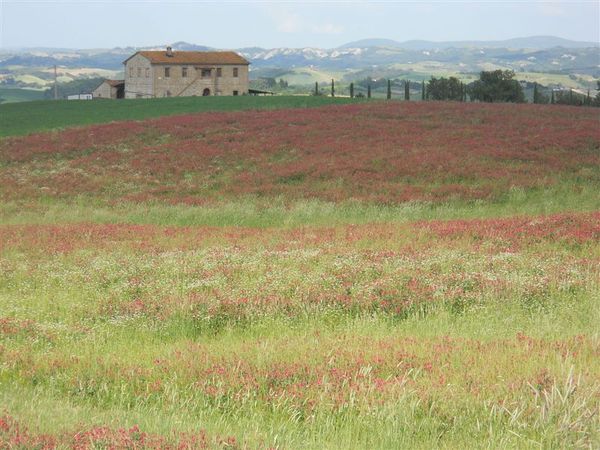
(141, 53)
(103, 81)
(191, 63)
(136, 53)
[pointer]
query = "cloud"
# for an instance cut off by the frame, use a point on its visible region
(327, 28)
(285, 20)
(552, 9)
(289, 21)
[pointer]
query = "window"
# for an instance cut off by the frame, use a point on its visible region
(219, 72)
(167, 72)
(205, 73)
(235, 72)
(235, 92)
(139, 72)
(147, 72)
(184, 72)
(131, 72)
(168, 94)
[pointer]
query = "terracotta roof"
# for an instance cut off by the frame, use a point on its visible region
(182, 57)
(113, 83)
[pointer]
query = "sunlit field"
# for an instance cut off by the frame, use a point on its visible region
(375, 275)
(30, 117)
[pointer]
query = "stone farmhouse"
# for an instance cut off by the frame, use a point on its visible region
(110, 89)
(183, 73)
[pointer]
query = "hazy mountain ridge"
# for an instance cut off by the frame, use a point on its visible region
(557, 58)
(531, 42)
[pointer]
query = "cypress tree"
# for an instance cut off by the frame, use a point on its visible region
(535, 93)
(368, 91)
(316, 88)
(351, 90)
(407, 90)
(423, 90)
(588, 99)
(552, 97)
(570, 96)
(332, 88)
(389, 90)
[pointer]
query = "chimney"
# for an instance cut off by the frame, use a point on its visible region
(169, 51)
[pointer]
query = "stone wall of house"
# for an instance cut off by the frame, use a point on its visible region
(138, 78)
(143, 79)
(105, 90)
(197, 80)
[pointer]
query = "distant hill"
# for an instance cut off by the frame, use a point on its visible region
(566, 63)
(532, 42)
(186, 46)
(363, 43)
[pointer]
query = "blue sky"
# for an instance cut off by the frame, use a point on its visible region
(110, 23)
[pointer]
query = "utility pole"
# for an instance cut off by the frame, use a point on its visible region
(55, 84)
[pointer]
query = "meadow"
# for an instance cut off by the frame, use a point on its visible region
(15, 95)
(369, 275)
(34, 116)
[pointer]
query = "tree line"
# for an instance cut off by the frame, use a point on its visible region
(491, 87)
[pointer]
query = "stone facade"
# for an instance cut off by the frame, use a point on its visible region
(109, 89)
(138, 80)
(181, 74)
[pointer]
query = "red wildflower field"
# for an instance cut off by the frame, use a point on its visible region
(384, 152)
(376, 275)
(13, 435)
(516, 231)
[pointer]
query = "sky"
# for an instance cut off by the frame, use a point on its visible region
(234, 24)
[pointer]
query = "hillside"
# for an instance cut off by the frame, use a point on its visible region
(530, 42)
(374, 153)
(369, 275)
(561, 63)
(31, 117)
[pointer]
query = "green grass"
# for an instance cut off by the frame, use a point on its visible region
(87, 360)
(31, 117)
(295, 322)
(408, 422)
(264, 213)
(16, 95)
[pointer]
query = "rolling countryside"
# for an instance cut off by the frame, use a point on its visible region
(299, 273)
